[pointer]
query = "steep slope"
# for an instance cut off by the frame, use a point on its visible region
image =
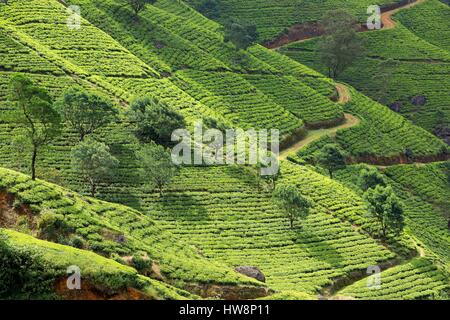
(420, 65)
(56, 214)
(273, 17)
(36, 269)
(223, 212)
(415, 280)
(221, 218)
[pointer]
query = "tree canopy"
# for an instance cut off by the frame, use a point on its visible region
(154, 120)
(332, 158)
(35, 113)
(241, 36)
(156, 165)
(369, 178)
(139, 5)
(386, 208)
(289, 199)
(85, 111)
(340, 46)
(93, 161)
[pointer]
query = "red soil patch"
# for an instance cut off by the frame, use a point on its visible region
(91, 291)
(299, 32)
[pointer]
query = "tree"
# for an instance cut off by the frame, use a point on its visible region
(156, 165)
(331, 158)
(385, 207)
(154, 120)
(289, 199)
(36, 114)
(209, 8)
(85, 112)
(340, 46)
(139, 5)
(94, 162)
(383, 79)
(370, 178)
(241, 36)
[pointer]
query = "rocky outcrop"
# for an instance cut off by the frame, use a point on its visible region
(419, 101)
(396, 106)
(252, 272)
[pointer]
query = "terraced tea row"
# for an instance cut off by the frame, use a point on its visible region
(238, 100)
(47, 265)
(108, 229)
(86, 47)
(418, 279)
(430, 182)
(223, 213)
(382, 136)
(419, 68)
(272, 18)
(429, 21)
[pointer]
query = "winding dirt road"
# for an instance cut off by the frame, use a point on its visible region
(303, 32)
(386, 17)
(314, 135)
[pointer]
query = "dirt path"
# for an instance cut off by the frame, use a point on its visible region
(344, 94)
(306, 31)
(386, 17)
(314, 135)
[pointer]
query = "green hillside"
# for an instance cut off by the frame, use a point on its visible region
(414, 280)
(94, 225)
(186, 239)
(273, 17)
(421, 56)
(51, 262)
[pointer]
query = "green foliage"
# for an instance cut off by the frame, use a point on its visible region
(22, 276)
(331, 158)
(241, 36)
(222, 212)
(289, 198)
(35, 113)
(141, 264)
(273, 17)
(85, 112)
(157, 165)
(139, 5)
(369, 178)
(415, 280)
(52, 226)
(209, 8)
(430, 182)
(100, 224)
(30, 268)
(386, 208)
(93, 161)
(419, 49)
(155, 120)
(340, 46)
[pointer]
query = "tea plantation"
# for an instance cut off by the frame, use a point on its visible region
(187, 239)
(419, 53)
